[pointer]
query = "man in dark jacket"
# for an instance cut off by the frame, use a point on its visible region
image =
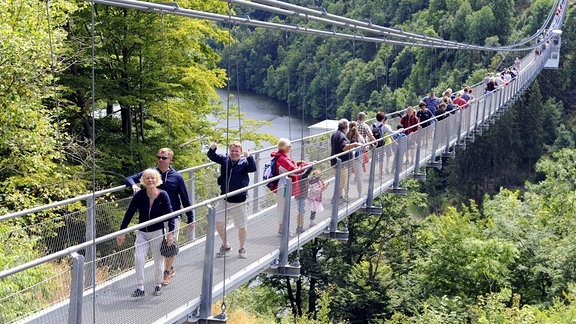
(234, 169)
(173, 183)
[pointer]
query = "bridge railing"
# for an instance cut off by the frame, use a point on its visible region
(86, 236)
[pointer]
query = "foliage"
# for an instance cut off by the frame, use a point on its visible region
(32, 136)
(16, 298)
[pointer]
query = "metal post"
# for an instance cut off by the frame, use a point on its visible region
(433, 162)
(469, 121)
(90, 235)
(191, 235)
(257, 178)
(192, 187)
(208, 271)
(76, 289)
(282, 267)
(488, 98)
(371, 179)
(283, 256)
(336, 196)
(416, 174)
(500, 99)
(459, 141)
(401, 142)
(448, 127)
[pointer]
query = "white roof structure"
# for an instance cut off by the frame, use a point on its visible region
(323, 126)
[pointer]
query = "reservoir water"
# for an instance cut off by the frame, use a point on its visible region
(259, 107)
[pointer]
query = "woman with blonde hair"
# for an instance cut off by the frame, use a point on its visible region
(150, 204)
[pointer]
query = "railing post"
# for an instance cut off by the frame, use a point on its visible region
(257, 178)
(432, 163)
(469, 122)
(90, 235)
(500, 99)
(332, 231)
(506, 96)
(448, 127)
(208, 273)
(401, 142)
(191, 188)
(336, 195)
(460, 143)
(283, 257)
(371, 179)
(418, 175)
(369, 207)
(282, 268)
(490, 98)
(76, 289)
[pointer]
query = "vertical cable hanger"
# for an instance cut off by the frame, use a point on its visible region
(165, 72)
(303, 108)
(93, 151)
(235, 51)
(288, 95)
(222, 315)
(54, 88)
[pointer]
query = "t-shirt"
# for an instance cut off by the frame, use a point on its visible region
(337, 143)
(459, 102)
(431, 103)
(424, 116)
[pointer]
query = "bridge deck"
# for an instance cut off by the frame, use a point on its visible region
(110, 302)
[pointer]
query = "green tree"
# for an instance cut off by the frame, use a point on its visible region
(32, 130)
(460, 260)
(480, 25)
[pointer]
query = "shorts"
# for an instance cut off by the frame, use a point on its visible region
(301, 205)
(236, 211)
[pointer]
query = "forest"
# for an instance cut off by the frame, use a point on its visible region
(486, 239)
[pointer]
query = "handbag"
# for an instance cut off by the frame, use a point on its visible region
(168, 250)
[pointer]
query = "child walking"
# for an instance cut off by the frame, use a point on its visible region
(314, 200)
(301, 198)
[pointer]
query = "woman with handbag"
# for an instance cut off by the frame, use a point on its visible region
(150, 204)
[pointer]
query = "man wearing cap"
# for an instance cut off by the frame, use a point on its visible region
(363, 128)
(431, 102)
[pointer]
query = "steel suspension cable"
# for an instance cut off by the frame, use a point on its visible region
(165, 72)
(226, 165)
(413, 39)
(54, 88)
(93, 151)
(406, 38)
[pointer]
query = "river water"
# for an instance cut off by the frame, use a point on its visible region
(259, 107)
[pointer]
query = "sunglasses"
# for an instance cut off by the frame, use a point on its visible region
(162, 157)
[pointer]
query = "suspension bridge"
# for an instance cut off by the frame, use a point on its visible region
(97, 277)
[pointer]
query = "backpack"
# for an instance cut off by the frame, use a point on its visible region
(377, 133)
(270, 172)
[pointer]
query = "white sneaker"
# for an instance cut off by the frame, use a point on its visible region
(242, 253)
(290, 234)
